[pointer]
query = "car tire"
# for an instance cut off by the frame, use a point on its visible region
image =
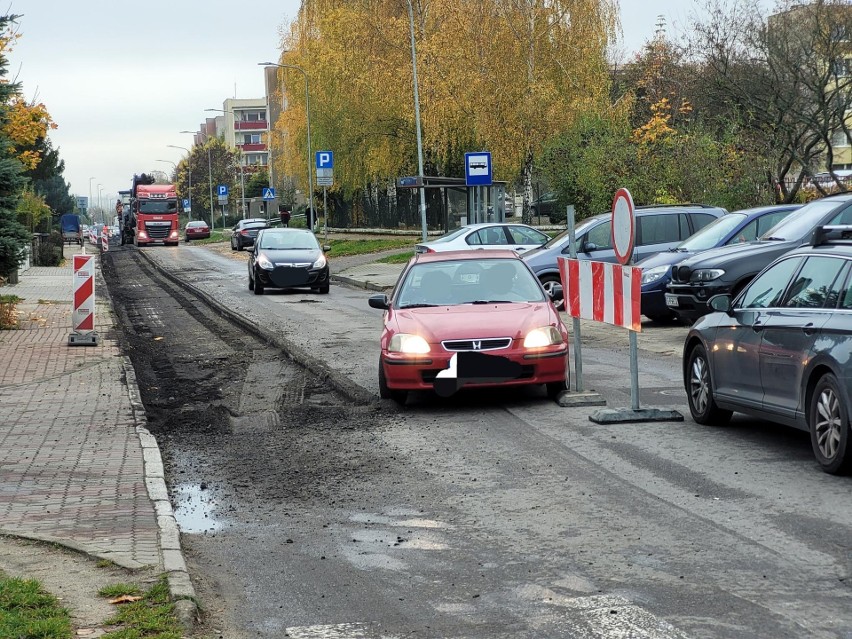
(662, 319)
(233, 245)
(554, 388)
(547, 281)
(828, 422)
(699, 389)
(250, 282)
(323, 290)
(258, 287)
(399, 396)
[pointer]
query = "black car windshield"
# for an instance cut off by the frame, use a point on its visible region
(712, 234)
(563, 237)
(479, 281)
(289, 241)
(797, 225)
(254, 225)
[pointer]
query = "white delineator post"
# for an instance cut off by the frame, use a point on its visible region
(83, 302)
(105, 238)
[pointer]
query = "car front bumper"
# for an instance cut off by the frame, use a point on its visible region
(418, 372)
(689, 301)
(293, 277)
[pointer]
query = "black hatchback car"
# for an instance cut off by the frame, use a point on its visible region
(244, 232)
(287, 258)
(729, 268)
(782, 350)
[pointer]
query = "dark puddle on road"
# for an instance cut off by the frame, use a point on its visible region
(195, 508)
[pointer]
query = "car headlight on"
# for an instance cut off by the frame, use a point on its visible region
(654, 274)
(264, 263)
(706, 274)
(407, 343)
(544, 336)
(320, 262)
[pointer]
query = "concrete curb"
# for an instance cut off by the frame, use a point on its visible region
(177, 575)
(180, 584)
(351, 281)
(352, 391)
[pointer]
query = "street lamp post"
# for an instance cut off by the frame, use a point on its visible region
(307, 123)
(100, 204)
(242, 177)
(417, 121)
(91, 204)
(188, 172)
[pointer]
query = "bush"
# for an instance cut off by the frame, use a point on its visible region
(9, 311)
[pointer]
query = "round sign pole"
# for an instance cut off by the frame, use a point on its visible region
(623, 238)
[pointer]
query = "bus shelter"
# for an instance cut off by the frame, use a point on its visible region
(463, 204)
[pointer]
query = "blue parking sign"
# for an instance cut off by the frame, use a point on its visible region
(325, 160)
(222, 190)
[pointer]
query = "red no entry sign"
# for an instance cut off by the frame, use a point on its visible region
(623, 226)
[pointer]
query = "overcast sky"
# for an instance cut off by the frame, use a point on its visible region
(121, 78)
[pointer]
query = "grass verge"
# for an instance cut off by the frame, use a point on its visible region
(215, 236)
(341, 248)
(27, 611)
(399, 258)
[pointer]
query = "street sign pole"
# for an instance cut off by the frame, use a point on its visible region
(578, 342)
(325, 213)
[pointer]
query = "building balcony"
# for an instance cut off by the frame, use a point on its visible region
(248, 148)
(250, 125)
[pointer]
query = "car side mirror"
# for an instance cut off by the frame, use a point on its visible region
(379, 301)
(326, 248)
(556, 293)
(721, 303)
(589, 246)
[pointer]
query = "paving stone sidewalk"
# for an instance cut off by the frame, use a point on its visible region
(72, 466)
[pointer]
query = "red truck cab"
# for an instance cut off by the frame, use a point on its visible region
(156, 209)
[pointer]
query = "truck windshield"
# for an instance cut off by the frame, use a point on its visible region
(158, 206)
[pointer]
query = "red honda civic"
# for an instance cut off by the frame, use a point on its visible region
(469, 318)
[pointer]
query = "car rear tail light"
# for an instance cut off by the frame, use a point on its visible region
(244, 232)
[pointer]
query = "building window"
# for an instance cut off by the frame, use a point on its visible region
(839, 139)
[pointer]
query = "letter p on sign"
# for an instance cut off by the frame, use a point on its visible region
(325, 159)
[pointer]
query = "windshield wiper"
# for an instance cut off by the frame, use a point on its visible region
(420, 306)
(491, 302)
(774, 239)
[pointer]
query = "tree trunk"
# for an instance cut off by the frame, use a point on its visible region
(526, 173)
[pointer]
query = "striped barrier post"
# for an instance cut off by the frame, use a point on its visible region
(105, 238)
(603, 292)
(83, 304)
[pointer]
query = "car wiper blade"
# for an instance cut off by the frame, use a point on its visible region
(491, 302)
(420, 306)
(774, 239)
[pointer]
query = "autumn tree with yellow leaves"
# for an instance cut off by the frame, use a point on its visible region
(498, 75)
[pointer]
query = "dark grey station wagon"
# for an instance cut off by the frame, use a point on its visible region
(782, 349)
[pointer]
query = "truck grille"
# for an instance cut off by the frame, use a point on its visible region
(158, 230)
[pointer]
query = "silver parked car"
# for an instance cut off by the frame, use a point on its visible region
(494, 235)
(782, 349)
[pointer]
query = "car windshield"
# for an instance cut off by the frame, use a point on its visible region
(563, 237)
(799, 223)
(254, 225)
(289, 241)
(712, 234)
(157, 206)
(480, 281)
(449, 237)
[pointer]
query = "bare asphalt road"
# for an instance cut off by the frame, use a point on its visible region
(492, 514)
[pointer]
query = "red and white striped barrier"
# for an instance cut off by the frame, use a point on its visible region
(83, 305)
(105, 239)
(602, 292)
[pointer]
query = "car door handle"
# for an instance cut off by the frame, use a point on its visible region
(809, 328)
(519, 248)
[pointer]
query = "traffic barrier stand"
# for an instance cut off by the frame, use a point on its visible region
(612, 294)
(83, 304)
(104, 239)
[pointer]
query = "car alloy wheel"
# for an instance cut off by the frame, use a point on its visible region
(699, 390)
(548, 282)
(829, 426)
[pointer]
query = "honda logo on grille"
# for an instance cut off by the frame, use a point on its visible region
(477, 345)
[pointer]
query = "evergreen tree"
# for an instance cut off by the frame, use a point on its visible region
(14, 237)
